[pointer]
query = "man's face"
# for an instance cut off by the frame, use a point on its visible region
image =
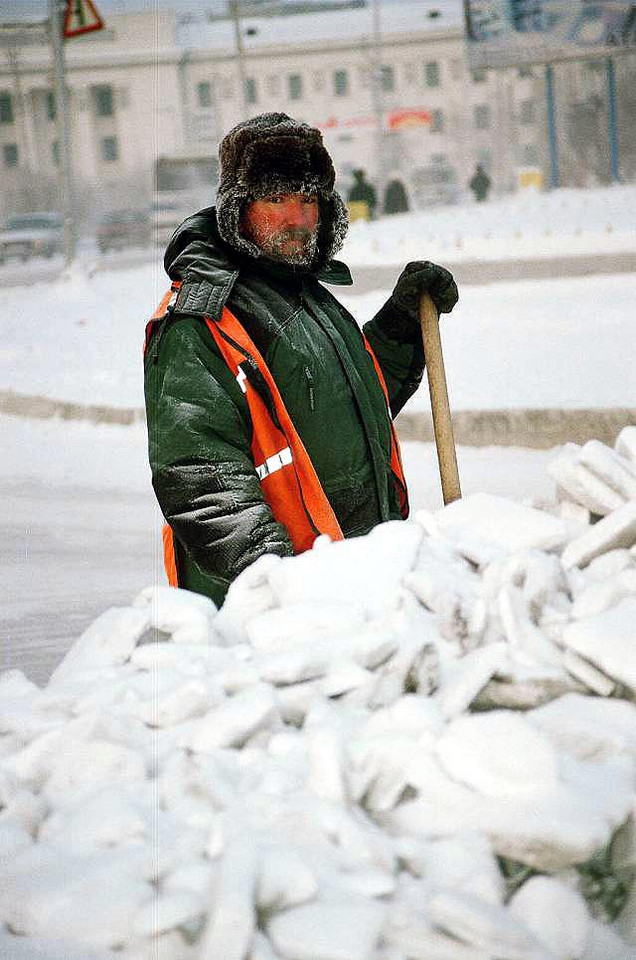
(284, 226)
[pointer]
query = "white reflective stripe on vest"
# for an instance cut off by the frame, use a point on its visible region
(278, 460)
(241, 379)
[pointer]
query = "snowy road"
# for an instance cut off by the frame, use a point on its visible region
(66, 554)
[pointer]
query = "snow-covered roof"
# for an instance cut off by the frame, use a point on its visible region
(194, 29)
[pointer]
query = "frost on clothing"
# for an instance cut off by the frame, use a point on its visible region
(410, 745)
(199, 425)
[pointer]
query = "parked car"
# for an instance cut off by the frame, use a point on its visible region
(124, 228)
(32, 235)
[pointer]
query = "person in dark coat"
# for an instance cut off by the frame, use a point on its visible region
(362, 197)
(261, 258)
(480, 184)
(395, 198)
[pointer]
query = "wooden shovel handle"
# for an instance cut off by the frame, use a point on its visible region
(442, 424)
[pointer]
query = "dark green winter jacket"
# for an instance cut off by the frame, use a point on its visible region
(199, 427)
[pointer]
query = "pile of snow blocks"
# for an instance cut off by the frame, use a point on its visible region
(415, 745)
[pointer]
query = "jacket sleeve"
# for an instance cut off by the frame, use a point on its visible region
(397, 344)
(199, 440)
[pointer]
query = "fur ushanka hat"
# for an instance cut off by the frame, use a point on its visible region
(270, 154)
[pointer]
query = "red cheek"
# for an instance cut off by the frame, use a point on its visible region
(275, 217)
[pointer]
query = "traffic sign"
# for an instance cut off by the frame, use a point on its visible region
(81, 17)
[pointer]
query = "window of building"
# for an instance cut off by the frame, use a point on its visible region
(437, 121)
(482, 116)
(340, 83)
(10, 154)
(527, 111)
(387, 78)
(457, 69)
(479, 76)
(250, 90)
(439, 159)
(6, 108)
(525, 72)
(295, 86)
(55, 152)
(109, 149)
(272, 85)
(204, 94)
(432, 74)
(51, 105)
(103, 100)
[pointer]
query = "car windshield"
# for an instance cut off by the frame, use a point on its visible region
(34, 223)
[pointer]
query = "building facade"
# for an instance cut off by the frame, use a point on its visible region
(395, 97)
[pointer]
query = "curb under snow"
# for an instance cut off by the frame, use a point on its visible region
(535, 428)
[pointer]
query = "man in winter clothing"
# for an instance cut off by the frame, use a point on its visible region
(480, 184)
(268, 411)
(362, 198)
(395, 198)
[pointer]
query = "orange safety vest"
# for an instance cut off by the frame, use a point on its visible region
(288, 479)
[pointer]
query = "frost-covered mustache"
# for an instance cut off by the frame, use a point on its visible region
(304, 252)
(293, 233)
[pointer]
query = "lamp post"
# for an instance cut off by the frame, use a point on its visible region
(240, 60)
(376, 92)
(61, 99)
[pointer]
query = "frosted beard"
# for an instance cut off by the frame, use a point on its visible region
(294, 245)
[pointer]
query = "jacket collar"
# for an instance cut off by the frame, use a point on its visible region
(335, 272)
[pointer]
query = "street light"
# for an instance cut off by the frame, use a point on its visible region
(61, 98)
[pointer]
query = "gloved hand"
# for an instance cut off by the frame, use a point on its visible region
(422, 276)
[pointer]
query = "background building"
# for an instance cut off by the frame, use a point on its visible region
(388, 84)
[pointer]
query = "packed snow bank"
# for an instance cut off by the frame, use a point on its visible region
(524, 225)
(417, 744)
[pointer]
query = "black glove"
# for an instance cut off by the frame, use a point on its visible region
(422, 276)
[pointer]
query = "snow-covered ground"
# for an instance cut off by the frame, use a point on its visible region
(55, 453)
(553, 343)
(526, 225)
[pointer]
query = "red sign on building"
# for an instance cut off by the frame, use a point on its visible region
(400, 119)
(81, 16)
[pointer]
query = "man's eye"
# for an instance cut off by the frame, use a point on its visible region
(274, 199)
(310, 199)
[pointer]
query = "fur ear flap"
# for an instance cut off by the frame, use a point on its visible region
(273, 153)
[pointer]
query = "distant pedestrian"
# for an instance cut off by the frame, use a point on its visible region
(480, 184)
(395, 198)
(362, 198)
